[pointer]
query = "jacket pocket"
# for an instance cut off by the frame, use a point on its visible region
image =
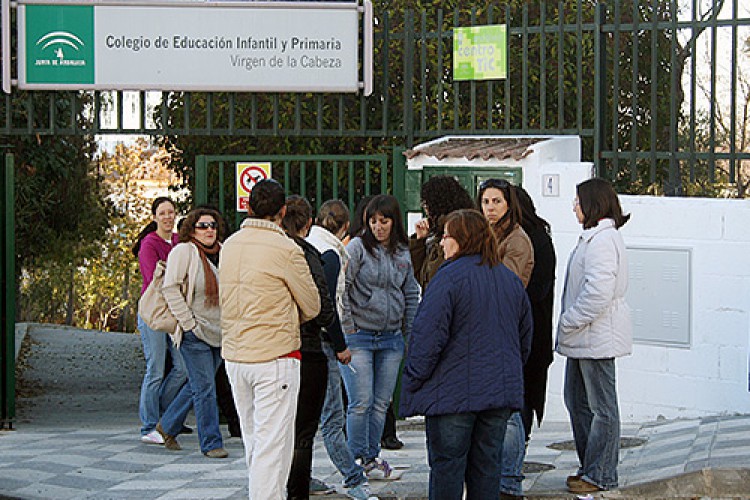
(577, 339)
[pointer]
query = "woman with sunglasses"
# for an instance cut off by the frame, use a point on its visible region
(593, 330)
(191, 289)
(464, 367)
(499, 205)
(380, 300)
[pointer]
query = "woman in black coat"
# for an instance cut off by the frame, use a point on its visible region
(314, 371)
(540, 290)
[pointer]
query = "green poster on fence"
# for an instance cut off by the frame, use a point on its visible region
(479, 53)
(59, 44)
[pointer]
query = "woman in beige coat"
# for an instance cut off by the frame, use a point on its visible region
(191, 290)
(499, 205)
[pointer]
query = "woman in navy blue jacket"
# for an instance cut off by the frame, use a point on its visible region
(464, 369)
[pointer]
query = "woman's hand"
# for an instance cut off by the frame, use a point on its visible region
(344, 356)
(422, 228)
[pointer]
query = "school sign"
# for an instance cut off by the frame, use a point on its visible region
(218, 46)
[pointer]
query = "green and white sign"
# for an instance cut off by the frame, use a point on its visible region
(227, 46)
(59, 44)
(479, 53)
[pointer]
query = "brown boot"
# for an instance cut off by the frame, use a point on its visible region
(170, 442)
(217, 453)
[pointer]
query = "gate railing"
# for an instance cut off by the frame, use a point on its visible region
(317, 177)
(657, 90)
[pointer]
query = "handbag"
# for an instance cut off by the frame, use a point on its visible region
(153, 308)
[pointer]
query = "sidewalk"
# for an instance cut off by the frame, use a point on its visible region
(77, 437)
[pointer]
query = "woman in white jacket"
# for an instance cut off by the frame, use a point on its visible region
(191, 290)
(593, 330)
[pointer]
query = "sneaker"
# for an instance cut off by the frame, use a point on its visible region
(170, 442)
(152, 437)
(378, 470)
(360, 492)
(318, 487)
(217, 453)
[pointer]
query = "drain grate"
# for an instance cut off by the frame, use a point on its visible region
(536, 467)
(626, 442)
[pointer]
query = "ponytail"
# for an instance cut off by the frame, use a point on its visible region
(149, 228)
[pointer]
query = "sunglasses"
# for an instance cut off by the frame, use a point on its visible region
(206, 225)
(494, 183)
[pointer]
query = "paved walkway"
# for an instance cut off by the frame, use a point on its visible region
(77, 437)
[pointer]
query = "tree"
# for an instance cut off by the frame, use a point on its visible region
(58, 207)
(97, 284)
(415, 97)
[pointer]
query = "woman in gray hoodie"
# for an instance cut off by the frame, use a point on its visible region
(380, 301)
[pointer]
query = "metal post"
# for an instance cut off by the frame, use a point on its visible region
(8, 292)
(600, 87)
(200, 192)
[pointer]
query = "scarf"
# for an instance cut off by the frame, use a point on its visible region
(212, 286)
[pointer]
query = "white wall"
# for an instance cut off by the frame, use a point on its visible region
(708, 377)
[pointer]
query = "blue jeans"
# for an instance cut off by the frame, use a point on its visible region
(591, 398)
(332, 424)
(465, 448)
(370, 379)
(202, 362)
(514, 450)
(158, 392)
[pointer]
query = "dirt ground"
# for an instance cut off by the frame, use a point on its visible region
(78, 378)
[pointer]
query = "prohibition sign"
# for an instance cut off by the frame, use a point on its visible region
(251, 176)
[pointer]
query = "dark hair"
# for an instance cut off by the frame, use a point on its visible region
(513, 216)
(333, 215)
(298, 212)
(187, 227)
(358, 222)
(474, 236)
(387, 206)
(529, 218)
(441, 195)
(266, 199)
(151, 226)
(598, 200)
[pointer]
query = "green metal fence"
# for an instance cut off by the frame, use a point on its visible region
(656, 88)
(317, 177)
(7, 298)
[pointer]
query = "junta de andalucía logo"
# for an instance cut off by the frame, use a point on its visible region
(63, 48)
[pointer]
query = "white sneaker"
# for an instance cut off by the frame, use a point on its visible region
(360, 492)
(152, 437)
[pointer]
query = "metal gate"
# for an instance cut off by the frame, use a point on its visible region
(316, 177)
(8, 299)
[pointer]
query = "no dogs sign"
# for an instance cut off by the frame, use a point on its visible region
(248, 175)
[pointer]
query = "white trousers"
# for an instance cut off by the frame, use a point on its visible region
(265, 395)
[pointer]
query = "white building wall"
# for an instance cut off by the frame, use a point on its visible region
(710, 375)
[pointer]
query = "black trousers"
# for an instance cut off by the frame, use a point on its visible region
(312, 393)
(226, 402)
